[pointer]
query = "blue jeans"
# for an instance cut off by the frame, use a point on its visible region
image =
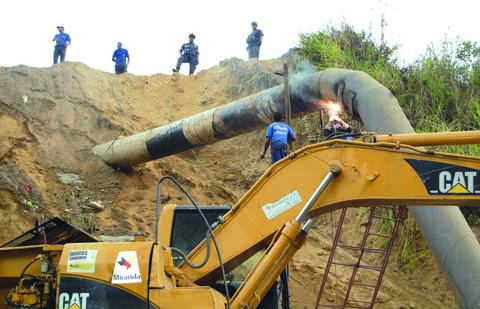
(60, 51)
(191, 59)
(253, 51)
(120, 69)
(278, 151)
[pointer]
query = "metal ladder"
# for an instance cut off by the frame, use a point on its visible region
(378, 216)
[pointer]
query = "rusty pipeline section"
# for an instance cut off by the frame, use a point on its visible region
(307, 93)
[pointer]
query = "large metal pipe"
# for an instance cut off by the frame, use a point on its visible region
(448, 235)
(244, 115)
(452, 242)
(211, 126)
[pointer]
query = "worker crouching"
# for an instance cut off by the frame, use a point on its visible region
(188, 54)
(336, 127)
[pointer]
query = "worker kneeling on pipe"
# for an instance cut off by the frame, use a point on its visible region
(278, 135)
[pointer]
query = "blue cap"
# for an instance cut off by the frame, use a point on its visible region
(60, 27)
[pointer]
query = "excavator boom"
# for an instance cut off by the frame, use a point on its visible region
(371, 174)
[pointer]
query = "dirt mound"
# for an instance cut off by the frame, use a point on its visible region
(51, 118)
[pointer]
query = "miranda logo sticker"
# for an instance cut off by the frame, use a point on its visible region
(126, 268)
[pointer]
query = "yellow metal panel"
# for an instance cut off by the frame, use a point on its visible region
(14, 260)
(107, 255)
(192, 298)
(432, 139)
(372, 174)
(165, 224)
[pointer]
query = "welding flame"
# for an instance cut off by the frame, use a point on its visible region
(334, 110)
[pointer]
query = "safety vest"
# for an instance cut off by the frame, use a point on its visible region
(190, 49)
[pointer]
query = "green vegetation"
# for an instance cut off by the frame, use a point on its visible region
(247, 79)
(438, 92)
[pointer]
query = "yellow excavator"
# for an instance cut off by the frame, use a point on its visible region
(275, 216)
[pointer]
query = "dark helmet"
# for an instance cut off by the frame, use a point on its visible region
(191, 35)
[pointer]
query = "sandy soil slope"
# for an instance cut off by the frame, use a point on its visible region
(51, 118)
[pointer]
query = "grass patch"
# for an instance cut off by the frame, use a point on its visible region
(440, 91)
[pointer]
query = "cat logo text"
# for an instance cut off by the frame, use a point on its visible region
(446, 179)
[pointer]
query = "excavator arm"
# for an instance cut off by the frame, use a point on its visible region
(325, 177)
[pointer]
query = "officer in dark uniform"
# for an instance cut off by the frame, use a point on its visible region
(188, 53)
(254, 40)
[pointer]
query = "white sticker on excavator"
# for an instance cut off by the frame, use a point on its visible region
(81, 261)
(126, 268)
(285, 203)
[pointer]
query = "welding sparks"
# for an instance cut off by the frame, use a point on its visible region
(336, 127)
(333, 110)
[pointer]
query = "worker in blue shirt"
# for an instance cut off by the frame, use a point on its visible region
(278, 135)
(188, 53)
(254, 40)
(62, 40)
(121, 59)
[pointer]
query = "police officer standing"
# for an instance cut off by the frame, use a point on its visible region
(62, 40)
(188, 53)
(254, 40)
(121, 59)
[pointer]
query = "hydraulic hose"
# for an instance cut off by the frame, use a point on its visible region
(209, 232)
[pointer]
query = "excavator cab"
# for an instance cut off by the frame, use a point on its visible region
(182, 227)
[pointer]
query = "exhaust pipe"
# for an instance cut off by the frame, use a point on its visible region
(448, 235)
